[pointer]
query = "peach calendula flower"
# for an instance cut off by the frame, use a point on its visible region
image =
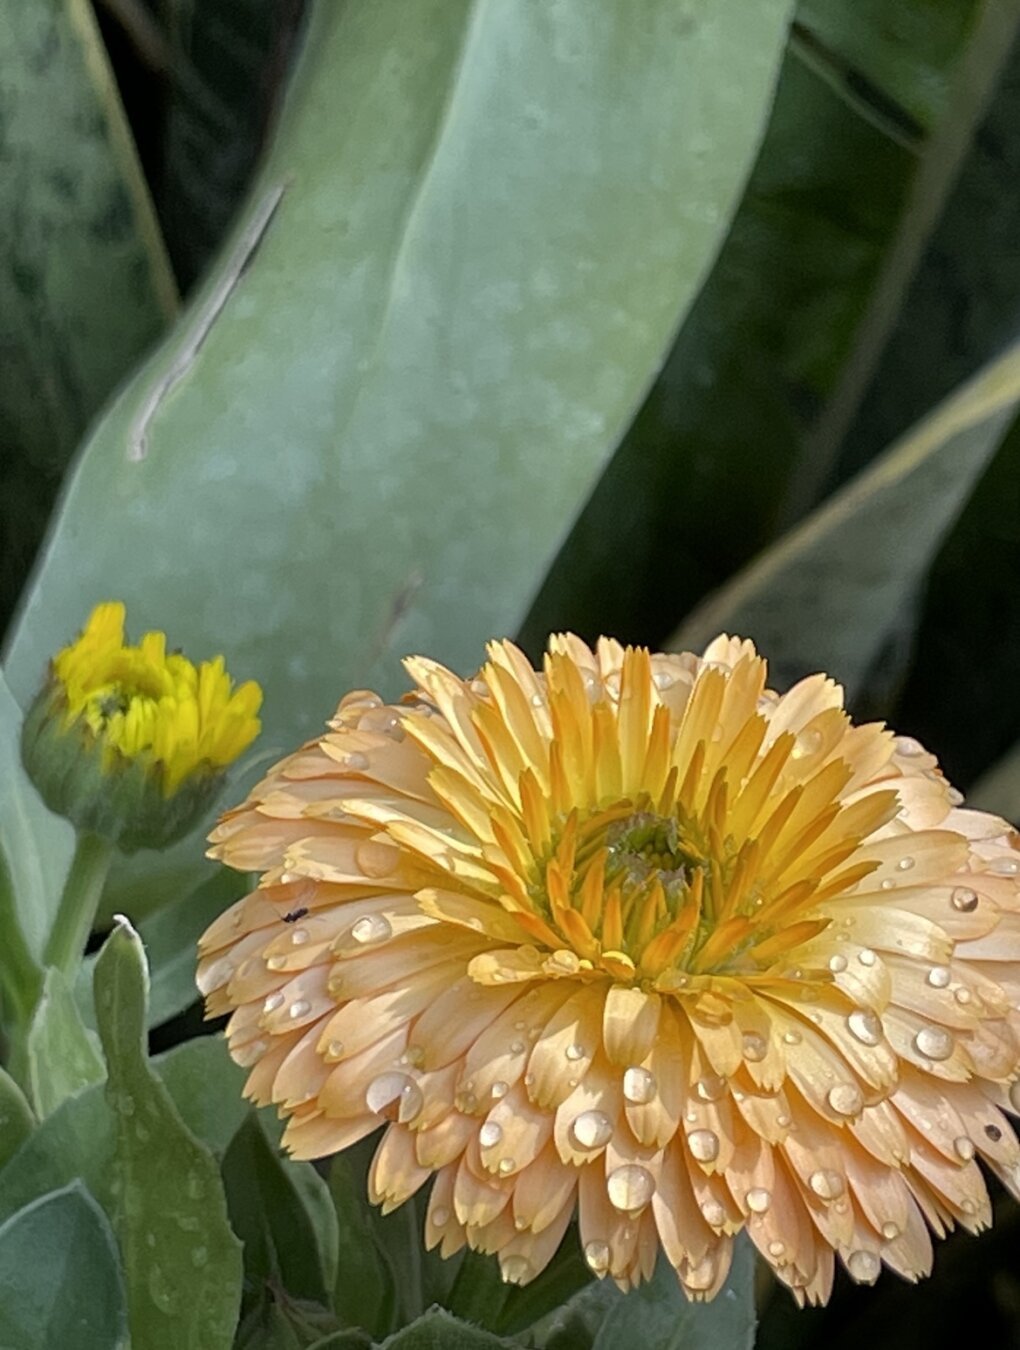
(635, 938)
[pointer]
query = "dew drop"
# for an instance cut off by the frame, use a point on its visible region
(276, 962)
(500, 1089)
(704, 1145)
(630, 1187)
(964, 1148)
(777, 1249)
(537, 700)
(866, 956)
(664, 679)
(792, 1037)
(597, 1254)
(891, 1231)
(962, 995)
(837, 964)
(517, 1047)
(906, 745)
(371, 928)
(964, 900)
(490, 1134)
(639, 1085)
(1014, 1095)
(300, 936)
(396, 1096)
(934, 1043)
(864, 1266)
(440, 1216)
(905, 864)
(592, 1129)
(710, 1088)
(355, 761)
(506, 1166)
(939, 977)
(845, 1099)
(1004, 867)
(529, 1080)
(273, 1002)
(334, 1049)
(714, 1213)
(515, 1269)
(865, 1026)
(755, 1047)
(574, 1051)
(888, 884)
(299, 1008)
(758, 1199)
(826, 1183)
(807, 743)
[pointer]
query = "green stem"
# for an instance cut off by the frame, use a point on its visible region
(65, 946)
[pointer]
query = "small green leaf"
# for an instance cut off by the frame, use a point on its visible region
(364, 1290)
(63, 1056)
(827, 596)
(268, 1214)
(659, 1316)
(60, 1280)
(438, 1330)
(182, 1262)
(16, 1118)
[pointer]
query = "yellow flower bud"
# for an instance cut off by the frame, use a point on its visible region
(130, 742)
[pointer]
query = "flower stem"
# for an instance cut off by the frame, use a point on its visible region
(65, 946)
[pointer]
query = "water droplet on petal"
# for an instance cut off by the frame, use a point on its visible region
(574, 1051)
(592, 1129)
(837, 964)
(964, 900)
(891, 1231)
(664, 679)
(299, 1008)
(715, 1215)
(355, 761)
(395, 1095)
(334, 1049)
(888, 884)
(537, 700)
(506, 1166)
(710, 1088)
(276, 962)
(490, 1134)
(515, 1269)
(934, 1043)
(1004, 867)
(300, 936)
(845, 1099)
(758, 1199)
(440, 1216)
(755, 1047)
(864, 1266)
(792, 1037)
(964, 1148)
(517, 1047)
(865, 1026)
(630, 1187)
(500, 1089)
(826, 1183)
(273, 1002)
(905, 864)
(598, 1256)
(371, 928)
(704, 1145)
(639, 1085)
(777, 1249)
(939, 977)
(866, 956)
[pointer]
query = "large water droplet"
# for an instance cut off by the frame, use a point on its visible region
(866, 956)
(639, 1085)
(964, 1148)
(395, 1095)
(704, 1145)
(891, 1231)
(1004, 867)
(864, 1266)
(758, 1199)
(273, 1002)
(370, 929)
(515, 1269)
(826, 1183)
(630, 1187)
(490, 1134)
(837, 964)
(592, 1129)
(865, 1026)
(755, 1047)
(939, 977)
(574, 1051)
(598, 1256)
(964, 900)
(934, 1043)
(845, 1099)
(299, 1008)
(714, 1214)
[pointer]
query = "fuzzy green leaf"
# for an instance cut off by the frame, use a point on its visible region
(63, 1056)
